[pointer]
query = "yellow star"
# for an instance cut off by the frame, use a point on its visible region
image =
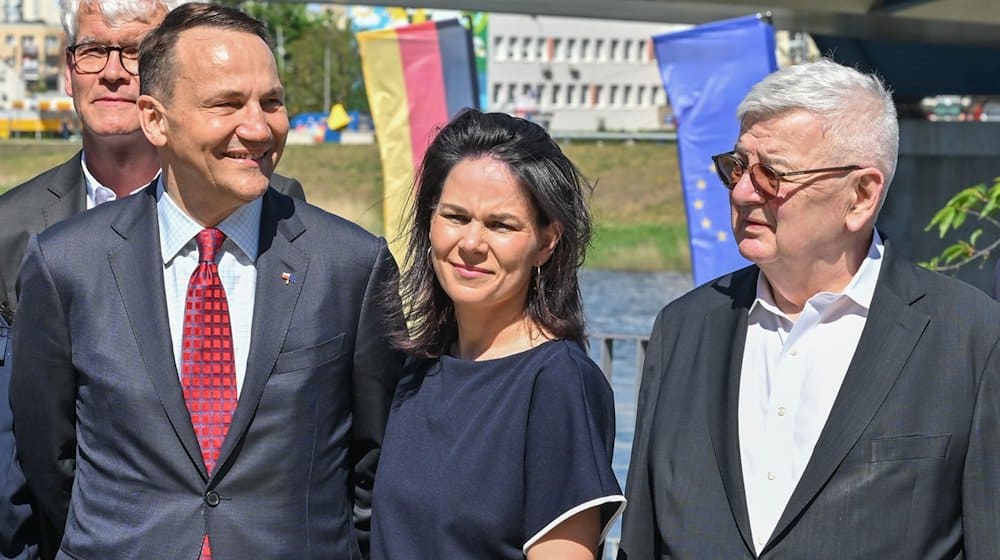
(701, 184)
(699, 204)
(706, 223)
(721, 235)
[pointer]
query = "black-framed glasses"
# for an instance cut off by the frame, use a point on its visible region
(765, 178)
(91, 58)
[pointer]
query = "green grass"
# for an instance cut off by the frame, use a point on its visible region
(637, 203)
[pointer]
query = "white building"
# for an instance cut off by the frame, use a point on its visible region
(35, 11)
(577, 74)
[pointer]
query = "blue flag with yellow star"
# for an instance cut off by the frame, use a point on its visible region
(707, 70)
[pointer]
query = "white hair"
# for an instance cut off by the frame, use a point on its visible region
(115, 12)
(857, 109)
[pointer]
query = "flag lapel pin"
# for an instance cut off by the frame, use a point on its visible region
(288, 278)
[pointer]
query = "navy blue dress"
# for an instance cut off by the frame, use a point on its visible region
(481, 458)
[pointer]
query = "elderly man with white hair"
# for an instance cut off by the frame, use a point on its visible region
(832, 400)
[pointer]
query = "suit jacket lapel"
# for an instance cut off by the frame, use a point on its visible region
(725, 335)
(274, 304)
(68, 192)
(889, 337)
(137, 267)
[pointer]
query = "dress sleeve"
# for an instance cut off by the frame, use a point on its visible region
(569, 443)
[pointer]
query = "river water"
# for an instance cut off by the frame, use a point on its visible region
(625, 303)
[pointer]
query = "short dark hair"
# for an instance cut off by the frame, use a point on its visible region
(556, 189)
(157, 66)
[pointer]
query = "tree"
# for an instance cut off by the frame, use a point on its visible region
(980, 202)
(323, 68)
(312, 50)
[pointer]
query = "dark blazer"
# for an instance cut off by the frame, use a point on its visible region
(104, 435)
(18, 534)
(51, 197)
(907, 465)
(996, 282)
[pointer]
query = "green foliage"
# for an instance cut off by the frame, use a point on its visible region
(313, 52)
(979, 202)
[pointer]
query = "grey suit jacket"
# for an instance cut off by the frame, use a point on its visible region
(907, 465)
(105, 437)
(51, 197)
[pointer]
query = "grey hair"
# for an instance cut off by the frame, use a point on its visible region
(115, 12)
(859, 114)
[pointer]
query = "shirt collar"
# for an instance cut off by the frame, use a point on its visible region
(96, 191)
(177, 229)
(860, 289)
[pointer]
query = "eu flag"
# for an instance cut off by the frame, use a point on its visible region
(707, 70)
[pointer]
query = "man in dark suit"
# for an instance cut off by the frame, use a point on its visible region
(832, 400)
(996, 282)
(18, 535)
(201, 369)
(116, 160)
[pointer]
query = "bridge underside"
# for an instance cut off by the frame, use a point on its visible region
(921, 47)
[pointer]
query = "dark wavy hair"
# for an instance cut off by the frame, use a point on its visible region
(157, 64)
(557, 192)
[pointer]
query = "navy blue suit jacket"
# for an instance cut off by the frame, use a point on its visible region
(103, 432)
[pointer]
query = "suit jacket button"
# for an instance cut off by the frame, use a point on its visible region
(212, 499)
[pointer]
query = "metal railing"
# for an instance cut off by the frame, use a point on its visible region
(604, 345)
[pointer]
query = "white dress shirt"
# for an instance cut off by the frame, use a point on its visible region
(791, 374)
(237, 269)
(97, 193)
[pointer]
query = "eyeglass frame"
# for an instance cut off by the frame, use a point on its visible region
(107, 57)
(778, 175)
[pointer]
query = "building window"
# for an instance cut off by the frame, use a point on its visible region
(511, 93)
(557, 49)
(658, 97)
(527, 53)
(571, 49)
(626, 96)
(597, 96)
(543, 100)
(497, 90)
(585, 54)
(570, 95)
(640, 96)
(627, 50)
(51, 43)
(584, 96)
(556, 91)
(599, 49)
(541, 49)
(612, 95)
(499, 53)
(512, 52)
(613, 50)
(643, 51)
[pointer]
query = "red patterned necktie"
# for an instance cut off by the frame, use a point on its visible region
(208, 371)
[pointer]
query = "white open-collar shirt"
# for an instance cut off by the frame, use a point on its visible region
(791, 373)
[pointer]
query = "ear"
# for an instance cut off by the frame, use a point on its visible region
(68, 75)
(152, 119)
(867, 199)
(550, 237)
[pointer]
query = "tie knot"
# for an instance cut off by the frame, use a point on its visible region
(209, 240)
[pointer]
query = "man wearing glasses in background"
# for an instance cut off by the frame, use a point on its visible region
(102, 67)
(832, 400)
(102, 77)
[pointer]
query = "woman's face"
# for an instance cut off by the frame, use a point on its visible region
(485, 239)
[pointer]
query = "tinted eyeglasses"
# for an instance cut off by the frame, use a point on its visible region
(765, 178)
(91, 58)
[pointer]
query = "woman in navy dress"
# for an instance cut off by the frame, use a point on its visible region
(499, 441)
